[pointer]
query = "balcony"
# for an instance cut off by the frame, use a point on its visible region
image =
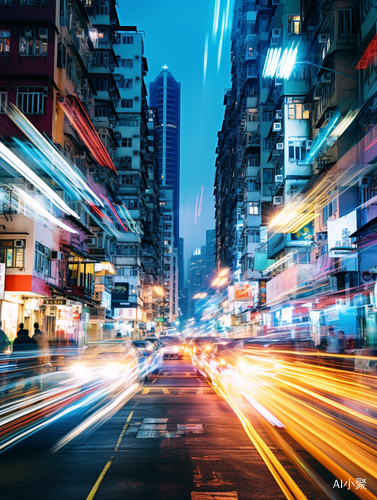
(252, 126)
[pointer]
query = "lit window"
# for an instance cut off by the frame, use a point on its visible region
(253, 208)
(12, 253)
(33, 43)
(294, 25)
(4, 43)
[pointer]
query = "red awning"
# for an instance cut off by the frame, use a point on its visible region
(77, 115)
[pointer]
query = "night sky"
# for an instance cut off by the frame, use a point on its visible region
(175, 34)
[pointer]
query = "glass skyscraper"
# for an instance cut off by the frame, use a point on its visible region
(165, 96)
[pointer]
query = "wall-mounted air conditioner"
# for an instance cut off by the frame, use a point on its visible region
(279, 179)
(276, 32)
(276, 127)
(308, 144)
(19, 243)
(326, 77)
(320, 237)
(317, 95)
(279, 115)
(364, 182)
(43, 33)
(274, 42)
(277, 200)
(55, 255)
(329, 115)
(280, 145)
(322, 38)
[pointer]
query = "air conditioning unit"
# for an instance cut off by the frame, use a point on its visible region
(275, 2)
(275, 152)
(333, 282)
(279, 115)
(320, 237)
(280, 145)
(276, 127)
(112, 88)
(317, 95)
(326, 78)
(19, 243)
(274, 42)
(307, 107)
(308, 144)
(27, 32)
(279, 179)
(276, 33)
(329, 115)
(137, 78)
(136, 98)
(277, 200)
(136, 57)
(55, 255)
(322, 38)
(80, 33)
(364, 182)
(43, 33)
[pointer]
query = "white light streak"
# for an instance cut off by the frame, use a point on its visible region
(205, 62)
(216, 19)
(221, 43)
(42, 211)
(18, 165)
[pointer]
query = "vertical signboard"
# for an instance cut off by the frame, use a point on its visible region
(2, 281)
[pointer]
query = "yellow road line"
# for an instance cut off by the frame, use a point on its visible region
(124, 430)
(154, 381)
(105, 469)
(99, 480)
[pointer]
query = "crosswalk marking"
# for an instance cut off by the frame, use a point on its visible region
(176, 391)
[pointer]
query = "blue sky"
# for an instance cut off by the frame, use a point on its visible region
(175, 34)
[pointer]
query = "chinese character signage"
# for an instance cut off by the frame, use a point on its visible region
(339, 232)
(97, 314)
(247, 291)
(55, 302)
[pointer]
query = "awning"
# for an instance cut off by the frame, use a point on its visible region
(369, 226)
(81, 122)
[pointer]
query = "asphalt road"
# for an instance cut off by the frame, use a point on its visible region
(174, 439)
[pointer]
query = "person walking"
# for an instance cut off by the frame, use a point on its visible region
(4, 341)
(43, 348)
(332, 341)
(22, 346)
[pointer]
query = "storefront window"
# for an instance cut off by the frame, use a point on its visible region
(81, 273)
(12, 253)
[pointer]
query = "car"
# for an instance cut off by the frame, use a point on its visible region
(149, 359)
(157, 344)
(198, 347)
(108, 359)
(172, 347)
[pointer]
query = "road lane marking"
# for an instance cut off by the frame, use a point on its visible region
(165, 391)
(107, 466)
(154, 380)
(99, 480)
(124, 430)
(175, 391)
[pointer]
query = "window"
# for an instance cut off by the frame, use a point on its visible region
(100, 110)
(296, 152)
(126, 142)
(42, 262)
(126, 63)
(12, 253)
(32, 100)
(3, 99)
(294, 25)
(128, 39)
(345, 27)
(127, 122)
(268, 176)
(295, 112)
(31, 44)
(5, 2)
(4, 43)
(126, 103)
(101, 8)
(254, 208)
(253, 237)
(128, 83)
(103, 37)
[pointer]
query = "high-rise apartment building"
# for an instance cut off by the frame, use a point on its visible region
(165, 97)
